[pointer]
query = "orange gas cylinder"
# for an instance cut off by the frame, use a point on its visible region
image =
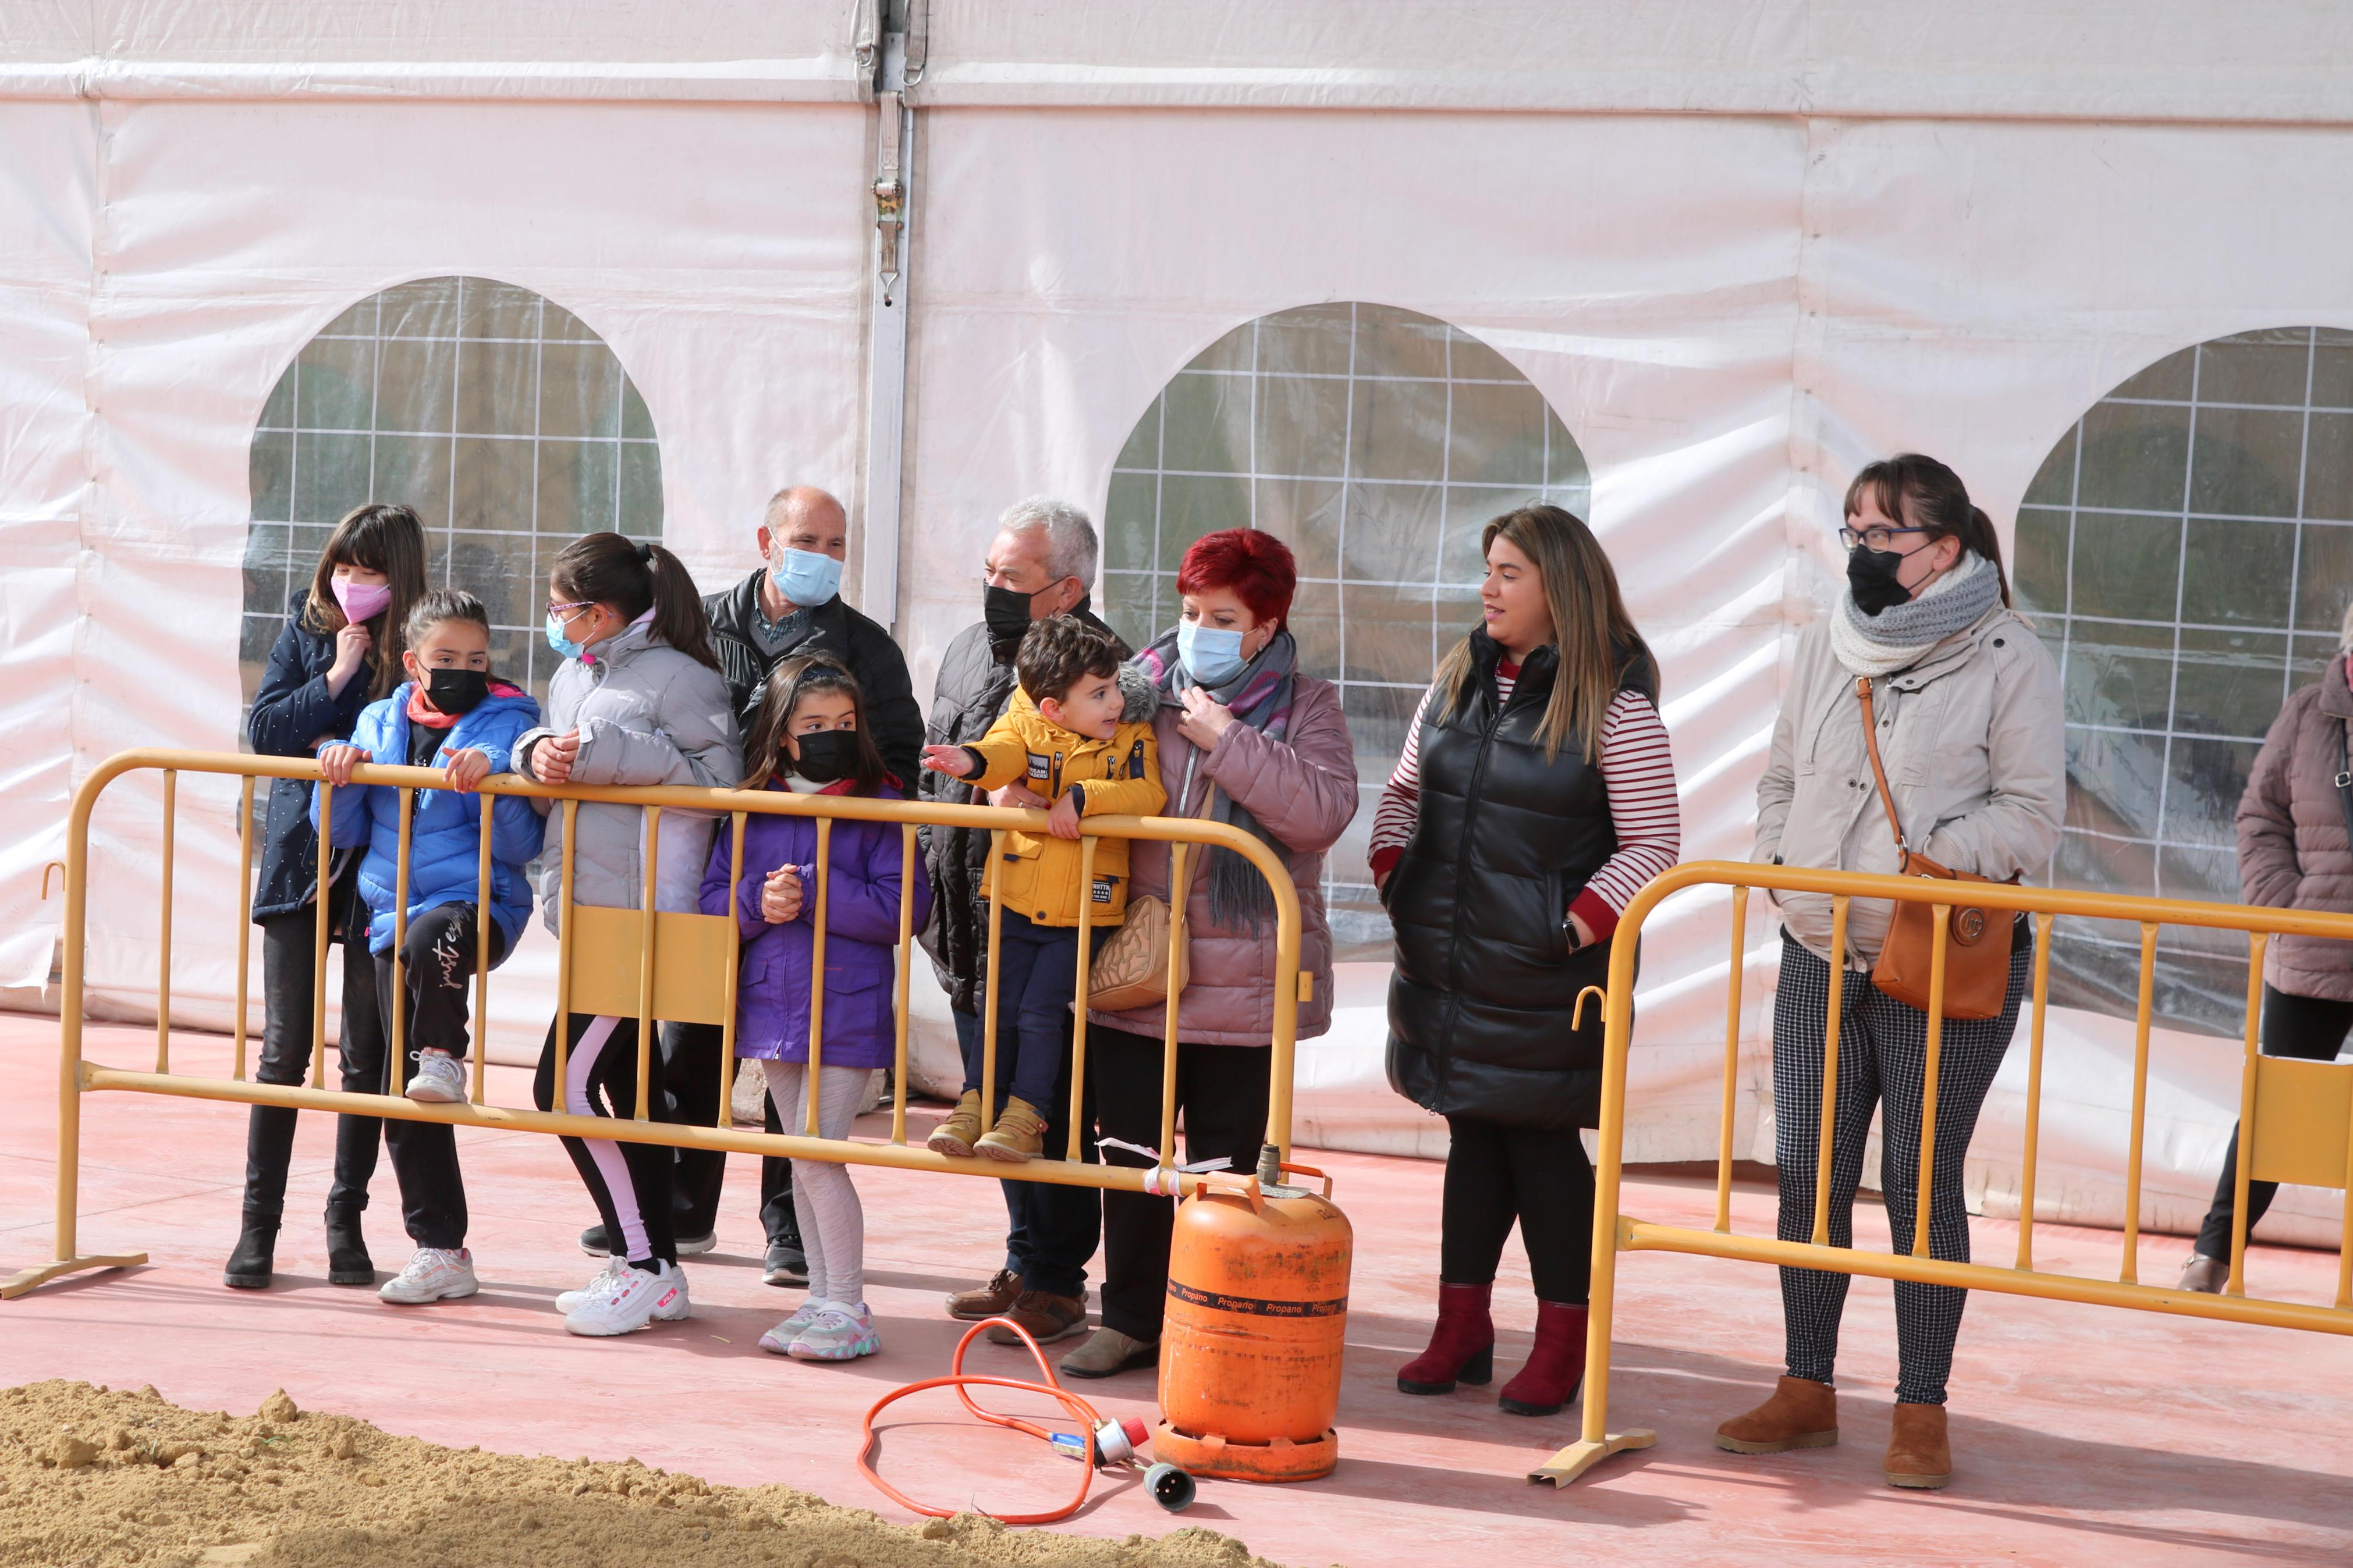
(1257, 1322)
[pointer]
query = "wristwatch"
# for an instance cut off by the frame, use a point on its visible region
(1570, 938)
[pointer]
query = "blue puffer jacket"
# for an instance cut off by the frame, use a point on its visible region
(292, 712)
(445, 828)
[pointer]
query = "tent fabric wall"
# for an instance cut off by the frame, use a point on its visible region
(1741, 247)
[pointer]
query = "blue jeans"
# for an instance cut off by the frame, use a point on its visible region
(1052, 1230)
(1037, 973)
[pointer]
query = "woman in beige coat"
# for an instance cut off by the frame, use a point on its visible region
(2295, 852)
(1968, 726)
(1246, 739)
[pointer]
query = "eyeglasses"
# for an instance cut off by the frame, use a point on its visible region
(1873, 538)
(563, 612)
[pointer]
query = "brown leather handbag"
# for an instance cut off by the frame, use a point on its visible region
(1976, 947)
(1132, 970)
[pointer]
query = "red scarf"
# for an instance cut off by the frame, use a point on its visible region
(421, 711)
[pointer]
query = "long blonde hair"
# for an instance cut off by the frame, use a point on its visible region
(1590, 629)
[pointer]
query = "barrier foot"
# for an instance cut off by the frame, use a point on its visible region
(1578, 1457)
(25, 1279)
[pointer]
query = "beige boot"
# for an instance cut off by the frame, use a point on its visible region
(1800, 1415)
(955, 1135)
(1020, 1134)
(1918, 1454)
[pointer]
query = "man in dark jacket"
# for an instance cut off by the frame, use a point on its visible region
(1038, 567)
(792, 604)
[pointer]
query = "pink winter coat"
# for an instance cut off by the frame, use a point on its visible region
(1303, 791)
(2292, 853)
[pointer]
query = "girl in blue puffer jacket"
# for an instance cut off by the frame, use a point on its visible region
(810, 737)
(451, 714)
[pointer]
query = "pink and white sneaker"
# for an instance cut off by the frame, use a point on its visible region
(631, 1300)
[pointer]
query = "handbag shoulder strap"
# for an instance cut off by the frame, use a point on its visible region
(2343, 780)
(1879, 774)
(1178, 890)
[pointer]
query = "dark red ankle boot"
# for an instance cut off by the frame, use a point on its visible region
(1462, 1348)
(1554, 1367)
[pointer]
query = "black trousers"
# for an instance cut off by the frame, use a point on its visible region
(437, 964)
(631, 1182)
(1050, 1231)
(1541, 1179)
(1222, 1092)
(289, 985)
(2307, 1027)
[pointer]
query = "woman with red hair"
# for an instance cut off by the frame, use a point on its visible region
(1246, 740)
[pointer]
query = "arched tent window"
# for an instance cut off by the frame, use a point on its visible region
(498, 415)
(1376, 442)
(2186, 552)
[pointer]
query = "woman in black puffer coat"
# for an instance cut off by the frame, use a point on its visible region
(1535, 797)
(339, 651)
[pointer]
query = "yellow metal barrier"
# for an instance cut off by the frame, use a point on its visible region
(2296, 1120)
(641, 963)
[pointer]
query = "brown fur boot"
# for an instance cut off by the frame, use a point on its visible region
(1800, 1415)
(1917, 1452)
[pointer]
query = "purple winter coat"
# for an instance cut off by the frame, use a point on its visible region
(862, 893)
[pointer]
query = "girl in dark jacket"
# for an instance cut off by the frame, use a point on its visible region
(810, 737)
(339, 650)
(1535, 798)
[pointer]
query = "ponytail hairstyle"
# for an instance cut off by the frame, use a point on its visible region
(632, 577)
(378, 538)
(1921, 493)
(1592, 632)
(803, 675)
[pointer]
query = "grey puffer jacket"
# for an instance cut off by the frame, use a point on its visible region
(648, 714)
(2293, 850)
(1972, 740)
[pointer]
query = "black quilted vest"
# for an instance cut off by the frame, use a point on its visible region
(1484, 985)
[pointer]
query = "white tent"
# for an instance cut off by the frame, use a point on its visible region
(1738, 248)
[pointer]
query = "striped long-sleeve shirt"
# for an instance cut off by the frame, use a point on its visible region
(1638, 769)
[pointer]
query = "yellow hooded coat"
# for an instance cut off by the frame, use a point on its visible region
(1122, 776)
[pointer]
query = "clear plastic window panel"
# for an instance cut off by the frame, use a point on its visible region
(2186, 552)
(507, 423)
(1376, 443)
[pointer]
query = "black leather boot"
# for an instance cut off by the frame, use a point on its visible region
(256, 1250)
(347, 1255)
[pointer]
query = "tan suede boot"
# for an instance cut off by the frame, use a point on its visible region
(1918, 1453)
(1800, 1415)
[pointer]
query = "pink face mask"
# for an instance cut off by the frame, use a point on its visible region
(361, 600)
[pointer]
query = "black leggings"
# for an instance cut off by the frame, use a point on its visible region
(1496, 1175)
(2310, 1028)
(288, 979)
(630, 1182)
(436, 967)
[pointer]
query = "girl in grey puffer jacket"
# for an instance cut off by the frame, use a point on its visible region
(638, 701)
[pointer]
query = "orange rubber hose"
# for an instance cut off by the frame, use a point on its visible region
(1088, 1420)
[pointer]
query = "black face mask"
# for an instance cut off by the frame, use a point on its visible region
(1006, 611)
(456, 690)
(1871, 577)
(827, 755)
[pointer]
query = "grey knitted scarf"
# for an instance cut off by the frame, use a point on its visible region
(1895, 639)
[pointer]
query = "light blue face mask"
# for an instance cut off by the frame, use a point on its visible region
(557, 640)
(808, 578)
(1213, 654)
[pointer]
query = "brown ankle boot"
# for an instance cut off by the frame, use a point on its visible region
(1918, 1453)
(1800, 1415)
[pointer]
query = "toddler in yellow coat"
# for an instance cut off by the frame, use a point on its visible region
(1079, 732)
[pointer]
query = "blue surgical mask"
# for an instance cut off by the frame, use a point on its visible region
(808, 578)
(1212, 653)
(557, 640)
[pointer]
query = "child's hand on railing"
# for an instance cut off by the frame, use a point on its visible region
(953, 761)
(1062, 822)
(551, 759)
(780, 896)
(336, 763)
(466, 769)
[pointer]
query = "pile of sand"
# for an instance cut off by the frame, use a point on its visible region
(91, 1477)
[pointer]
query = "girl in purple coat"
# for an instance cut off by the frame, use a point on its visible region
(811, 737)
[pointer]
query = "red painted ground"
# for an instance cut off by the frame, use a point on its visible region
(2082, 1435)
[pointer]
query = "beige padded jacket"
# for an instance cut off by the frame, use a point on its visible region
(1972, 742)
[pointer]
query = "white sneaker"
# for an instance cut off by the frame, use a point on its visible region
(440, 1080)
(839, 1333)
(433, 1275)
(778, 1340)
(631, 1300)
(571, 1301)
